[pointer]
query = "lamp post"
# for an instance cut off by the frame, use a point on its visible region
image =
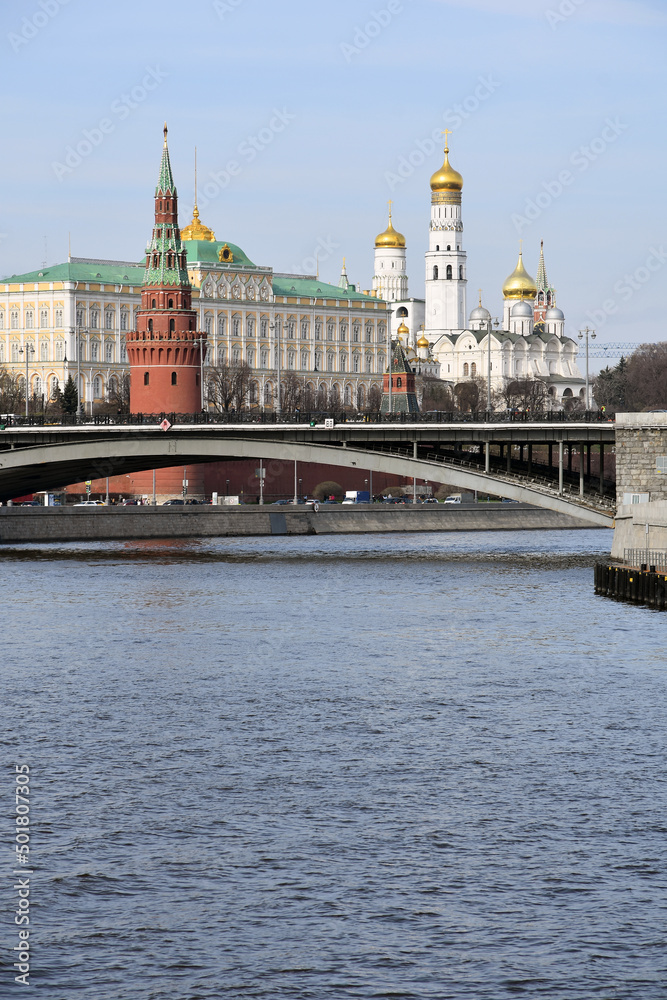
(389, 352)
(29, 350)
(79, 405)
(586, 333)
(201, 369)
(275, 330)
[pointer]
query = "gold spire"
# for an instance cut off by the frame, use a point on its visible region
(519, 285)
(165, 135)
(197, 230)
(390, 237)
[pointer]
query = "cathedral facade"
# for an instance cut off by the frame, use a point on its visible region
(439, 335)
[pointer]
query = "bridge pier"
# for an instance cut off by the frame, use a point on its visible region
(560, 467)
(487, 458)
(601, 468)
(581, 469)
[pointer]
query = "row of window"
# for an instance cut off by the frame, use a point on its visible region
(449, 274)
(357, 361)
(288, 328)
(16, 353)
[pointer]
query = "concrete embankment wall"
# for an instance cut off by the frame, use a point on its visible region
(640, 526)
(68, 524)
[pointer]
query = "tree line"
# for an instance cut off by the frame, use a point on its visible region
(636, 383)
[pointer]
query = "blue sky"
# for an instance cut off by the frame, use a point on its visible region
(308, 117)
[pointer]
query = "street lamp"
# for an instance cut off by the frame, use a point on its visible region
(201, 370)
(29, 351)
(275, 333)
(586, 333)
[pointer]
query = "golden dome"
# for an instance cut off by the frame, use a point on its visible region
(197, 230)
(446, 178)
(390, 238)
(403, 330)
(519, 285)
(423, 341)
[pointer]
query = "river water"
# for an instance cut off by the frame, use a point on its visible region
(406, 766)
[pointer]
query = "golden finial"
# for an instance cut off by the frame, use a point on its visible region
(390, 203)
(480, 296)
(165, 135)
(196, 178)
(446, 134)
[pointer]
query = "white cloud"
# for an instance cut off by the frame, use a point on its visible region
(627, 12)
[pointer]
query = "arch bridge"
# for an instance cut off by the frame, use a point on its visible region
(470, 456)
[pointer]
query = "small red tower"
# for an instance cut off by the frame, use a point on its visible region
(164, 350)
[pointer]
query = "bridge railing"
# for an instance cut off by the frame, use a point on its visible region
(313, 418)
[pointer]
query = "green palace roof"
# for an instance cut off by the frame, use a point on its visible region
(207, 252)
(107, 272)
(315, 289)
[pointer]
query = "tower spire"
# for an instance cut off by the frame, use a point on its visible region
(165, 184)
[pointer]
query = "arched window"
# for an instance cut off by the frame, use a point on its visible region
(150, 326)
(465, 368)
(174, 378)
(152, 303)
(147, 378)
(171, 303)
(97, 387)
(473, 368)
(435, 272)
(461, 271)
(449, 272)
(449, 247)
(399, 382)
(172, 326)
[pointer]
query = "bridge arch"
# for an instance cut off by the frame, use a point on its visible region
(54, 465)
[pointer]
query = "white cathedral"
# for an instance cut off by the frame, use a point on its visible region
(531, 340)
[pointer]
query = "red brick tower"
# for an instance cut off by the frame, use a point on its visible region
(164, 350)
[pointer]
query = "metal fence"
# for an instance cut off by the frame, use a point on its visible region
(646, 557)
(299, 417)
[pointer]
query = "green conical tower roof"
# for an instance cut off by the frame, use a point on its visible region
(166, 180)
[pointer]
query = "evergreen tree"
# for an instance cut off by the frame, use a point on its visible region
(70, 397)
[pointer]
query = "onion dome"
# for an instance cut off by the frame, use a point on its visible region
(480, 314)
(522, 310)
(554, 313)
(403, 331)
(446, 178)
(389, 238)
(519, 285)
(423, 342)
(197, 230)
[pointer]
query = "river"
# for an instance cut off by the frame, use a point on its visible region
(407, 766)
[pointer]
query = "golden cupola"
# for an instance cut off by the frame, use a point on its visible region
(390, 237)
(403, 332)
(519, 285)
(446, 179)
(197, 230)
(423, 342)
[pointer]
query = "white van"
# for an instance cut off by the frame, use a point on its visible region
(453, 498)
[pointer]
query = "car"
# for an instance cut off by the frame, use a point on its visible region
(430, 500)
(454, 498)
(30, 503)
(507, 500)
(131, 503)
(89, 503)
(393, 500)
(173, 503)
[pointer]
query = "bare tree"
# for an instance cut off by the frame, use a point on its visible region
(118, 392)
(12, 391)
(526, 394)
(227, 385)
(646, 386)
(436, 394)
(291, 391)
(374, 399)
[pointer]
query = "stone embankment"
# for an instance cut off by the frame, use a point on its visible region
(68, 524)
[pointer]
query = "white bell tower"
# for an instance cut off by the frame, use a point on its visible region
(390, 280)
(446, 260)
